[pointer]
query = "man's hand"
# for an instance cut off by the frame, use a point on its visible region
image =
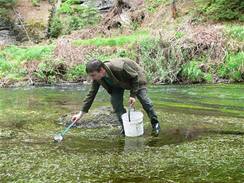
(132, 101)
(77, 117)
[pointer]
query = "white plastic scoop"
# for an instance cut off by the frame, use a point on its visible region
(60, 136)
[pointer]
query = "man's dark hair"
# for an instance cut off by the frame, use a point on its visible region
(94, 65)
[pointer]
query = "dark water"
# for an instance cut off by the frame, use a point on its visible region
(202, 138)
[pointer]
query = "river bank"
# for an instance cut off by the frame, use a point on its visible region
(192, 47)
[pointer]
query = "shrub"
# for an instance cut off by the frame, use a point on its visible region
(56, 27)
(4, 16)
(51, 71)
(191, 72)
(7, 3)
(65, 9)
(222, 9)
(233, 67)
(73, 17)
(161, 62)
(77, 72)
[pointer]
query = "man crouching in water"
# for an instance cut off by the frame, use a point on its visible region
(116, 76)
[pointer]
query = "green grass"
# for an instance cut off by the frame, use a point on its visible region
(20, 54)
(12, 58)
(233, 68)
(235, 31)
(112, 41)
(192, 72)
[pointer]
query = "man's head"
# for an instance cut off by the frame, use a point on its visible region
(95, 69)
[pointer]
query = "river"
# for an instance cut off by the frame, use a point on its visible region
(202, 137)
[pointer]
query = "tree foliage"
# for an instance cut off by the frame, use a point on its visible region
(223, 9)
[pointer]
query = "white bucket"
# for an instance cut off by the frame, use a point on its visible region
(134, 127)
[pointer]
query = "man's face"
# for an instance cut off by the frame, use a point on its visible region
(97, 75)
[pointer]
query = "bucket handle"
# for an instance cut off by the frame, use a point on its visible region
(129, 110)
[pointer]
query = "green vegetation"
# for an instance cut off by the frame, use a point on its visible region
(70, 17)
(50, 71)
(56, 27)
(222, 9)
(5, 6)
(113, 41)
(7, 3)
(192, 72)
(12, 59)
(152, 5)
(19, 54)
(235, 31)
(233, 68)
(38, 63)
(76, 73)
(200, 145)
(35, 2)
(3, 12)
(161, 61)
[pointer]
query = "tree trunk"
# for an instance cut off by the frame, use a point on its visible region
(173, 9)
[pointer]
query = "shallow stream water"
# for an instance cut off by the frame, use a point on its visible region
(202, 137)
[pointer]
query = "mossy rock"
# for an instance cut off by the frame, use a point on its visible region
(96, 118)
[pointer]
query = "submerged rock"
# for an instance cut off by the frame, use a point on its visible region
(96, 118)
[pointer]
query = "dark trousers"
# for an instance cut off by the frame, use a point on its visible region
(117, 103)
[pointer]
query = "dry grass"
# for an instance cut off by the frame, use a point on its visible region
(73, 55)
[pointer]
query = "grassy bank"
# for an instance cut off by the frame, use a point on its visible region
(163, 61)
(209, 49)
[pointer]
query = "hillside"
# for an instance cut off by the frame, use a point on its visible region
(191, 41)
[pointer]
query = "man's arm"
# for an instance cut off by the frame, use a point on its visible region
(133, 76)
(87, 102)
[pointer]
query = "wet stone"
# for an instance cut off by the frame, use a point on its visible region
(96, 118)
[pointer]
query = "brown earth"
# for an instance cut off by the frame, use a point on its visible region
(32, 13)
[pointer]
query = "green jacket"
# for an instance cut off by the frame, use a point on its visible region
(124, 73)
